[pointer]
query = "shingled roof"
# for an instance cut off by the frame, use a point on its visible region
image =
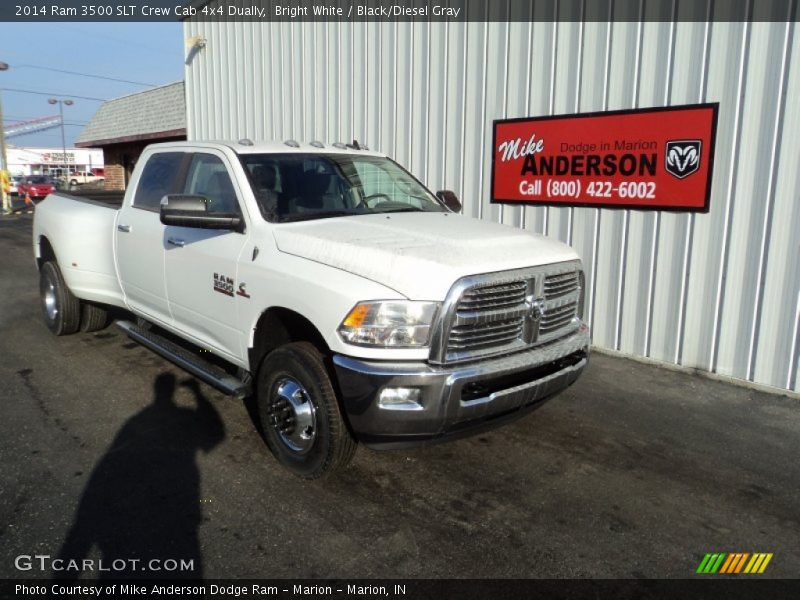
(153, 114)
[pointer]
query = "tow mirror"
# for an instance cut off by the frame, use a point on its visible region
(183, 210)
(450, 200)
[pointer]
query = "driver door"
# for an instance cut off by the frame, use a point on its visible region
(202, 264)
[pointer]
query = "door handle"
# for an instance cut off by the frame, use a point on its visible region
(176, 242)
(124, 228)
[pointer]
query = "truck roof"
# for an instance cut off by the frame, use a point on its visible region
(246, 146)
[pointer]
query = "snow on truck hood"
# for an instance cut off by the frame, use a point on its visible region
(420, 255)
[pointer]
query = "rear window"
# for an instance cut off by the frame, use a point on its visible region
(158, 179)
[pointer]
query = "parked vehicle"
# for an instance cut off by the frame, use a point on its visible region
(353, 303)
(14, 182)
(81, 177)
(36, 186)
(99, 171)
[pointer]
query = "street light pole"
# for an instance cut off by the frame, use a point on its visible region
(61, 104)
(4, 199)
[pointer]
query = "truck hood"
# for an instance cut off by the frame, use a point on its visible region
(420, 255)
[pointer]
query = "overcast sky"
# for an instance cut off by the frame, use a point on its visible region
(149, 53)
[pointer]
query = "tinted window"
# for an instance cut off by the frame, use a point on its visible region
(207, 176)
(157, 180)
(290, 187)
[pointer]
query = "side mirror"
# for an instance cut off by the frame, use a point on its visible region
(183, 210)
(450, 200)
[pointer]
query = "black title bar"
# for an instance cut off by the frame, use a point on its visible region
(456, 11)
(377, 589)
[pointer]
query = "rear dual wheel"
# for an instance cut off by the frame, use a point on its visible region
(60, 308)
(93, 317)
(63, 312)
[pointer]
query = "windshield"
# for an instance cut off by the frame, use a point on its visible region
(298, 187)
(39, 180)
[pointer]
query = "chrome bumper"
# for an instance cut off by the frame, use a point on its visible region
(456, 399)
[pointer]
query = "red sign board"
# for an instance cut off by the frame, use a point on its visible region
(651, 158)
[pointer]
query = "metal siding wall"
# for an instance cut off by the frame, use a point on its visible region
(718, 292)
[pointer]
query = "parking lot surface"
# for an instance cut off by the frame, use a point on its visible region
(108, 451)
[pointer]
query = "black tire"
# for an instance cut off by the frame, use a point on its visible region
(61, 310)
(93, 317)
(74, 182)
(332, 446)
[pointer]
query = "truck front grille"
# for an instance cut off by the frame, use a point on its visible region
(556, 286)
(484, 335)
(504, 312)
(556, 318)
(493, 297)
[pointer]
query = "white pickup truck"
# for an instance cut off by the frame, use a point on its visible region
(80, 177)
(328, 283)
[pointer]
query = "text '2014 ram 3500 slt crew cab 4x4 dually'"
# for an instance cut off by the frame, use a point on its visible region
(353, 303)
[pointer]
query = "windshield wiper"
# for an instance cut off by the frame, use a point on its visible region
(406, 209)
(317, 215)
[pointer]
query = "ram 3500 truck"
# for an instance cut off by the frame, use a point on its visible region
(354, 304)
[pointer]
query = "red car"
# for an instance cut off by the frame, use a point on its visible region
(37, 186)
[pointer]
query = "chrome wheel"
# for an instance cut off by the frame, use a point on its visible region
(293, 416)
(50, 300)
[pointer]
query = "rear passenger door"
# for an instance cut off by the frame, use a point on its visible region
(201, 264)
(139, 239)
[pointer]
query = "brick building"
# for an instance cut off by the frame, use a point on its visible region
(123, 127)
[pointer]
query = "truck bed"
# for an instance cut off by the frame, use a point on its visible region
(80, 227)
(109, 199)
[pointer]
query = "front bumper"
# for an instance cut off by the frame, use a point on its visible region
(457, 399)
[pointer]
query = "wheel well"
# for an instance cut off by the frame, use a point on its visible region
(46, 252)
(278, 326)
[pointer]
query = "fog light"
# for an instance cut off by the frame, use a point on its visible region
(400, 398)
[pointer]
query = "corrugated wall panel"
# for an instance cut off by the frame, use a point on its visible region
(666, 291)
(762, 97)
(717, 291)
(777, 339)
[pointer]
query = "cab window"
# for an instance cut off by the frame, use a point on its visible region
(207, 176)
(158, 179)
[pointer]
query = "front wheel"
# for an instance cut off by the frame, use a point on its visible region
(61, 310)
(74, 182)
(299, 413)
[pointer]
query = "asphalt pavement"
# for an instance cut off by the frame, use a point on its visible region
(108, 451)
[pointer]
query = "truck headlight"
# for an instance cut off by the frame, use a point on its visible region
(393, 323)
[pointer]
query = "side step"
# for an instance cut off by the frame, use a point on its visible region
(187, 360)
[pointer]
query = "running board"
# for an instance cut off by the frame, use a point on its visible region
(187, 360)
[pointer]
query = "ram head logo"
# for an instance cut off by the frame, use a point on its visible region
(683, 157)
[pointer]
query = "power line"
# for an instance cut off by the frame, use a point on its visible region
(8, 89)
(130, 44)
(13, 119)
(83, 74)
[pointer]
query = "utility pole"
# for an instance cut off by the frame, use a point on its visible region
(6, 204)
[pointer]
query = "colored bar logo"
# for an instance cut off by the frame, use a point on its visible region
(734, 563)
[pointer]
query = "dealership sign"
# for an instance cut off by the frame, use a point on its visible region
(57, 157)
(652, 158)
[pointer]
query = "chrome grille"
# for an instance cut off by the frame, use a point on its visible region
(556, 286)
(493, 297)
(482, 335)
(508, 311)
(488, 316)
(557, 317)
